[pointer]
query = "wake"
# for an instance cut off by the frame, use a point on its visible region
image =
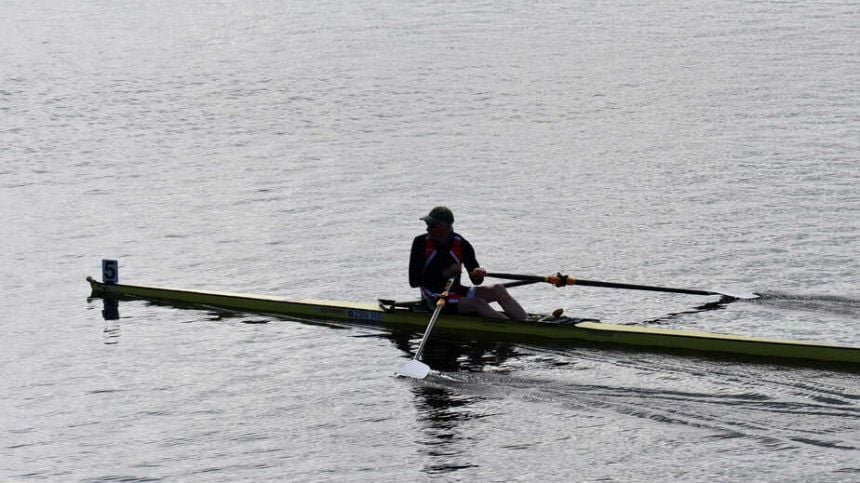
(823, 304)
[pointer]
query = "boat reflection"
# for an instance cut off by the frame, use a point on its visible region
(440, 354)
(450, 355)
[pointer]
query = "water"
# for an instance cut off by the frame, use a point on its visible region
(290, 148)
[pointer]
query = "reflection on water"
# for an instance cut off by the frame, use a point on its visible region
(446, 355)
(110, 308)
(110, 313)
(718, 305)
(441, 411)
(755, 405)
(781, 409)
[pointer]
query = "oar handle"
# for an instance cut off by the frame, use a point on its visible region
(558, 280)
(515, 276)
(520, 283)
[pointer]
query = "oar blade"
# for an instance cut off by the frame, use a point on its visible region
(414, 369)
(738, 294)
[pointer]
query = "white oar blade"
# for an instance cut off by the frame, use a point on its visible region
(739, 294)
(414, 369)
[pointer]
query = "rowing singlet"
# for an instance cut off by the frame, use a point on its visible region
(430, 253)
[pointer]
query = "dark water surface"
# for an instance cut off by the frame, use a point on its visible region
(288, 148)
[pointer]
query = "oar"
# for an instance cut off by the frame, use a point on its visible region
(415, 368)
(560, 280)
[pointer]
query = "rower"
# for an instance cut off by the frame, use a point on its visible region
(441, 254)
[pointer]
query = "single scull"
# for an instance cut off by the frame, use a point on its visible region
(561, 330)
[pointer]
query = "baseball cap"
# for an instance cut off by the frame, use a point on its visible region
(439, 214)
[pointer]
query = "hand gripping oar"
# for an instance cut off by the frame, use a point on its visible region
(415, 368)
(560, 280)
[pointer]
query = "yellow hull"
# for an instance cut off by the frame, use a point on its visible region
(533, 332)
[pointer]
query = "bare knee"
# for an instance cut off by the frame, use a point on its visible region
(477, 306)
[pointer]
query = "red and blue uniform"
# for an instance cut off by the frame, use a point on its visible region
(429, 259)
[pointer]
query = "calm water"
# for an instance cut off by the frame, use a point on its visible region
(289, 147)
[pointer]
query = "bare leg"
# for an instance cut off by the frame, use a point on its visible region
(476, 306)
(495, 293)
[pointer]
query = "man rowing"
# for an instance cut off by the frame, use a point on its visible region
(441, 254)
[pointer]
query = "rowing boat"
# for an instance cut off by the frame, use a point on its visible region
(561, 330)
